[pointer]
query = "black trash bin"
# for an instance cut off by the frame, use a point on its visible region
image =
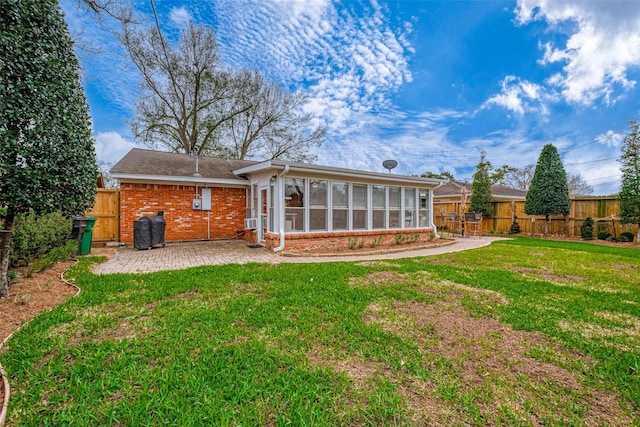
(148, 232)
(142, 233)
(157, 231)
(79, 224)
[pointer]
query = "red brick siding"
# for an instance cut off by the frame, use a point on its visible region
(343, 240)
(182, 222)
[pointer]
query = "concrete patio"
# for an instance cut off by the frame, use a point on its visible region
(175, 256)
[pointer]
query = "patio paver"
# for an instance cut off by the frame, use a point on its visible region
(176, 256)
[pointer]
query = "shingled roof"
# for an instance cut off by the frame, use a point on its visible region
(147, 163)
(498, 191)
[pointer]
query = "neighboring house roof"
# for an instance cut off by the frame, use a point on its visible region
(160, 166)
(157, 166)
(498, 191)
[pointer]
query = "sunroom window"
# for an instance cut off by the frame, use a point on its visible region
(409, 208)
(340, 205)
(379, 205)
(294, 202)
(359, 207)
(423, 208)
(395, 200)
(318, 190)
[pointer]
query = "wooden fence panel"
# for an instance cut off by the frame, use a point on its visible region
(107, 212)
(601, 209)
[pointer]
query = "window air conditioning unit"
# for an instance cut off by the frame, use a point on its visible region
(251, 223)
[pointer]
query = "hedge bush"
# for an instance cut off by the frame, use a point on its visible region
(34, 236)
(586, 231)
(603, 235)
(626, 236)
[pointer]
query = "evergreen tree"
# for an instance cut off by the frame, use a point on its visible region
(586, 230)
(630, 166)
(47, 155)
(549, 190)
(481, 199)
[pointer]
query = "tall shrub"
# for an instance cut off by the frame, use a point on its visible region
(630, 166)
(549, 191)
(47, 155)
(481, 198)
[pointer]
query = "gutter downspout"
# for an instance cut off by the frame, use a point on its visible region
(435, 229)
(281, 214)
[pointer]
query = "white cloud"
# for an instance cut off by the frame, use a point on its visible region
(611, 139)
(603, 43)
(180, 16)
(111, 147)
(350, 61)
(519, 96)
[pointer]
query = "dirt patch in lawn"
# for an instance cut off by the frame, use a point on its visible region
(522, 374)
(489, 356)
(549, 276)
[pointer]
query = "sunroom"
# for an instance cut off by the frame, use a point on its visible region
(304, 206)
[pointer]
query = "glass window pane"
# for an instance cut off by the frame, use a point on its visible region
(360, 196)
(340, 194)
(294, 192)
(409, 219)
(359, 219)
(317, 219)
(294, 204)
(378, 218)
(394, 197)
(340, 219)
(318, 192)
(409, 198)
(378, 196)
(424, 199)
(394, 218)
(423, 218)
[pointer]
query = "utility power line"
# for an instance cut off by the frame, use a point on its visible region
(603, 137)
(592, 161)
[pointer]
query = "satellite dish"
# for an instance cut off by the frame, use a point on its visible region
(389, 164)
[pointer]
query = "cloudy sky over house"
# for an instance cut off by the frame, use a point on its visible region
(428, 83)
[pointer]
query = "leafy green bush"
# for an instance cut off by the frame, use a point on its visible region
(603, 235)
(34, 236)
(586, 231)
(626, 236)
(515, 227)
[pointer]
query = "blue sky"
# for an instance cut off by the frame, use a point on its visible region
(428, 83)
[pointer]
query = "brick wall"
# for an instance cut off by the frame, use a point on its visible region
(182, 222)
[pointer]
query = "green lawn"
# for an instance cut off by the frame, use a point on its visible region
(522, 332)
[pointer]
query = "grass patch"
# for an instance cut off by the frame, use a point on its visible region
(522, 332)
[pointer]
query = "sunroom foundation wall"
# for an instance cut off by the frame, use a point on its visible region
(348, 240)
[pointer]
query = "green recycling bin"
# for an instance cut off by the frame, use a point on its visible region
(85, 243)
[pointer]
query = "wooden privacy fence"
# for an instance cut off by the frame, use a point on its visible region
(107, 212)
(601, 209)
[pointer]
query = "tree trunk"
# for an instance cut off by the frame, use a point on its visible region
(4, 254)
